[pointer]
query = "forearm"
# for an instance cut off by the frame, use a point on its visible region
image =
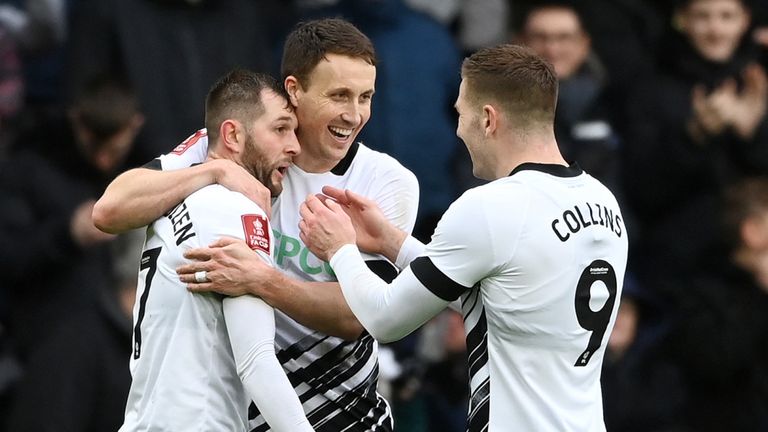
(139, 196)
(251, 327)
(317, 305)
(408, 250)
(388, 311)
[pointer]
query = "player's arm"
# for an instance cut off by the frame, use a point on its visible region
(388, 311)
(139, 196)
(317, 305)
(251, 327)
(452, 263)
(233, 269)
(397, 201)
(398, 198)
(375, 232)
(250, 321)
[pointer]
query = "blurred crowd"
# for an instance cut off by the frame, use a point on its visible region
(666, 102)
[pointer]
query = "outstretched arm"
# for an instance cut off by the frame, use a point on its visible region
(251, 328)
(391, 311)
(388, 311)
(373, 232)
(139, 196)
(233, 269)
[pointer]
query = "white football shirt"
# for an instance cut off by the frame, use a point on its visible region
(336, 379)
(191, 351)
(538, 260)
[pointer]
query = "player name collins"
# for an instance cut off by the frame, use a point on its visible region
(584, 216)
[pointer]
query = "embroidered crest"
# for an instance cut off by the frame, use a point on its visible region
(256, 229)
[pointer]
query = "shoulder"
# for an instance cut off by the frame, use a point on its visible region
(218, 212)
(505, 201)
(469, 206)
(382, 165)
(215, 199)
(194, 149)
(504, 189)
(380, 162)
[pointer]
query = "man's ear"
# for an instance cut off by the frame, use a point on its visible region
(232, 136)
(490, 120)
(293, 87)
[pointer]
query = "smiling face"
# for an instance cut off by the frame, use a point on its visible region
(470, 131)
(332, 108)
(714, 27)
(271, 142)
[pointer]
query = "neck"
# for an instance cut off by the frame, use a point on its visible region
(540, 148)
(217, 153)
(314, 163)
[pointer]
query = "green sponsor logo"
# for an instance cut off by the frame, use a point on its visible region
(289, 247)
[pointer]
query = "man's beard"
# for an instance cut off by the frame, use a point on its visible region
(256, 163)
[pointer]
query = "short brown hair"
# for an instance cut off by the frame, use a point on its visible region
(105, 105)
(515, 77)
(311, 41)
(237, 95)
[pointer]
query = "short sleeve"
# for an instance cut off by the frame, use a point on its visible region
(192, 150)
(397, 197)
(464, 248)
(224, 213)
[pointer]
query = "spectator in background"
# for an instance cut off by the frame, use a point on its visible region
(80, 374)
(53, 259)
(582, 123)
(170, 51)
(39, 28)
(696, 129)
(36, 25)
(11, 89)
(623, 35)
(476, 23)
(721, 337)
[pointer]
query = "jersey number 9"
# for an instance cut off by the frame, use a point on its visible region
(594, 321)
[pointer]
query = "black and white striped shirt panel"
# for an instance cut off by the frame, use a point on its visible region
(335, 381)
(477, 336)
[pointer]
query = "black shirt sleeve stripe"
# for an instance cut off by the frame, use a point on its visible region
(154, 164)
(435, 280)
(383, 269)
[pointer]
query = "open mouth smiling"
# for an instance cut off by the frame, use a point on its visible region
(340, 133)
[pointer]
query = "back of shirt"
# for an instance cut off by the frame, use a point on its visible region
(544, 251)
(184, 374)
